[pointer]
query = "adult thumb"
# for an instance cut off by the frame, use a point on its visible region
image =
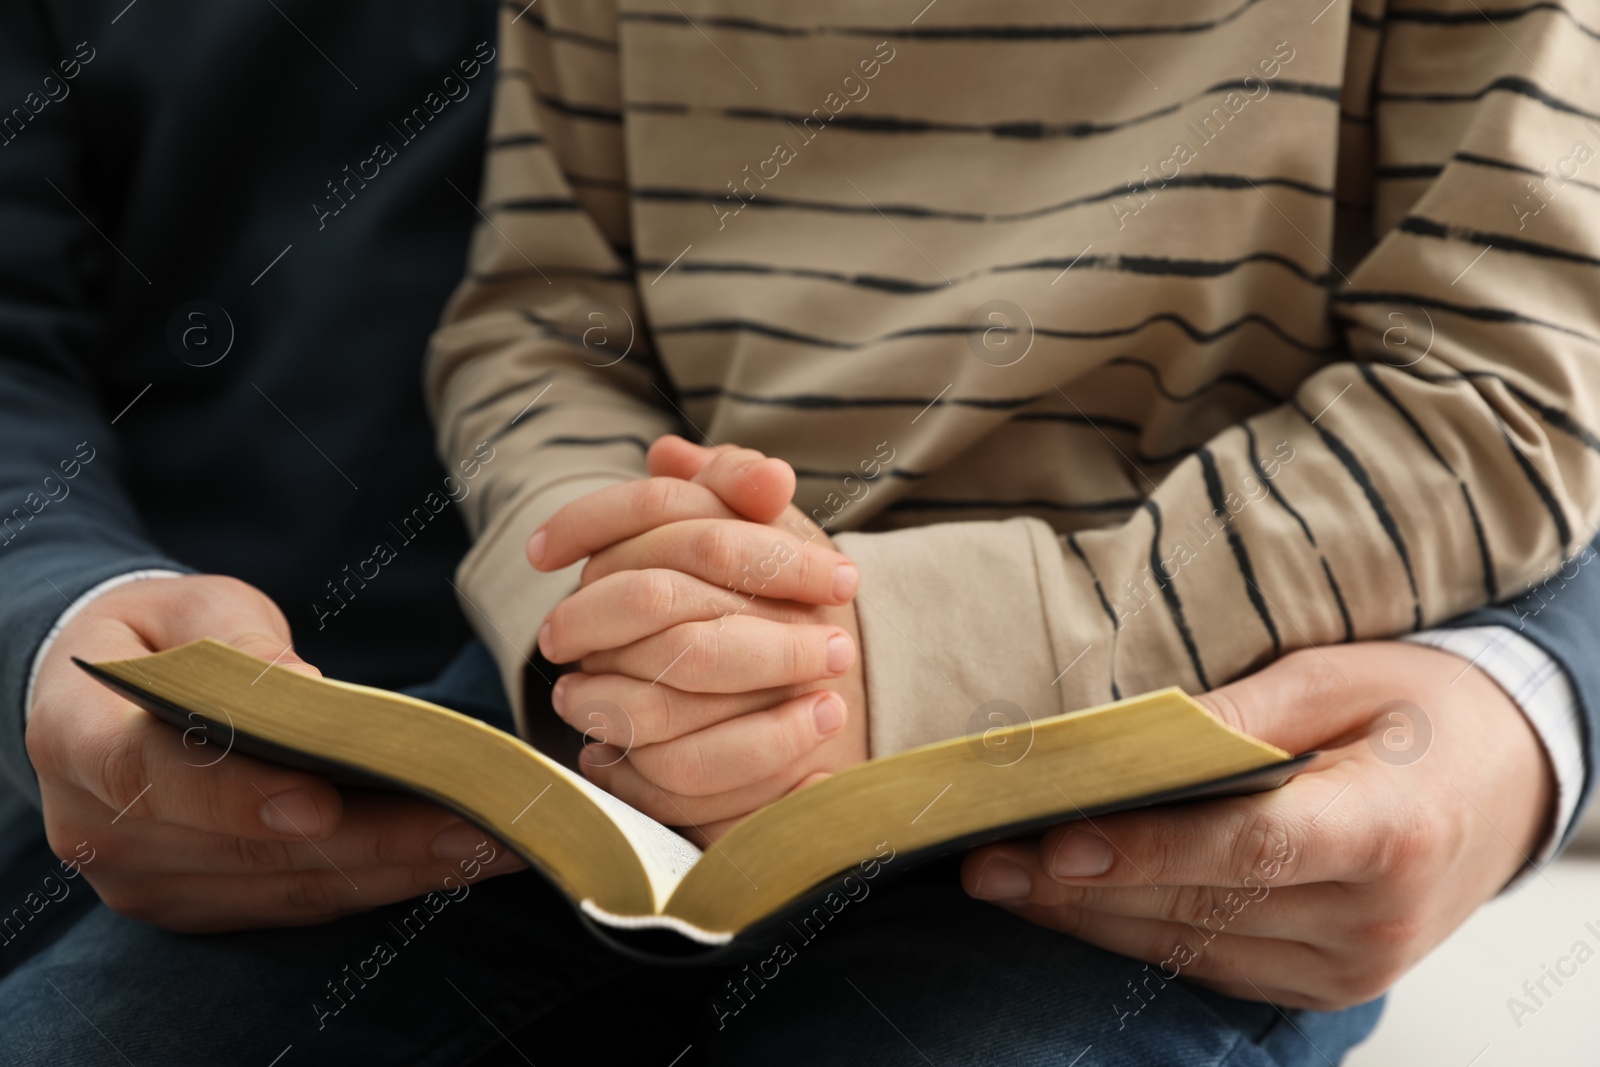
(238, 614)
(1303, 701)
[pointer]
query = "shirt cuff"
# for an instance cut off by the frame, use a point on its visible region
(1541, 688)
(71, 613)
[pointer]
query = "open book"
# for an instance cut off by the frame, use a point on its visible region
(642, 885)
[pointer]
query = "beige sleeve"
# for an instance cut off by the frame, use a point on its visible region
(540, 378)
(1449, 458)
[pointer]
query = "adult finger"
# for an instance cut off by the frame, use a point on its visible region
(377, 830)
(745, 654)
(744, 750)
(1012, 876)
(629, 711)
(1285, 837)
(214, 903)
(617, 513)
(144, 770)
(626, 606)
(1322, 697)
(225, 609)
(750, 559)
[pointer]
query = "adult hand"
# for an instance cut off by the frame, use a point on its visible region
(1322, 893)
(189, 841)
(726, 649)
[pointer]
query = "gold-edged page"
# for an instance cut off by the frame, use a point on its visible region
(1083, 760)
(540, 809)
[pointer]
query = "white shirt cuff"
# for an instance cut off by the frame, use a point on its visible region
(1541, 688)
(71, 613)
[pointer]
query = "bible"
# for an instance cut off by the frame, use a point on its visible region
(641, 885)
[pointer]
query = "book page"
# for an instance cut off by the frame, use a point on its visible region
(665, 856)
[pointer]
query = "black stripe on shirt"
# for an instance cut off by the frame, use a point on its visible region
(1502, 242)
(1193, 332)
(1212, 182)
(1271, 484)
(1491, 586)
(1115, 505)
(1508, 84)
(1482, 14)
(1500, 164)
(1358, 474)
(525, 14)
(1099, 591)
(544, 204)
(1483, 313)
(516, 140)
(1486, 557)
(1238, 378)
(1020, 129)
(1169, 594)
(1408, 171)
(825, 402)
(570, 441)
(560, 106)
(1338, 598)
(1241, 555)
(1056, 32)
(1149, 266)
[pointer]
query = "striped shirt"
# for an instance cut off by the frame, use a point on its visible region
(1121, 345)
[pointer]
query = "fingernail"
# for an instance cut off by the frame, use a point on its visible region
(458, 841)
(1080, 855)
(544, 640)
(846, 580)
(1002, 880)
(536, 548)
(292, 812)
(828, 714)
(558, 694)
(841, 653)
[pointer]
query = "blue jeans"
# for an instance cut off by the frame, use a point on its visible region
(916, 973)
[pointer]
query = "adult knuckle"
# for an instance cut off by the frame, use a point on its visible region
(117, 764)
(1266, 842)
(256, 857)
(1198, 905)
(310, 893)
(1407, 842)
(391, 846)
(1168, 847)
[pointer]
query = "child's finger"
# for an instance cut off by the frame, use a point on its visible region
(629, 606)
(748, 653)
(749, 482)
(625, 712)
(612, 770)
(617, 513)
(743, 750)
